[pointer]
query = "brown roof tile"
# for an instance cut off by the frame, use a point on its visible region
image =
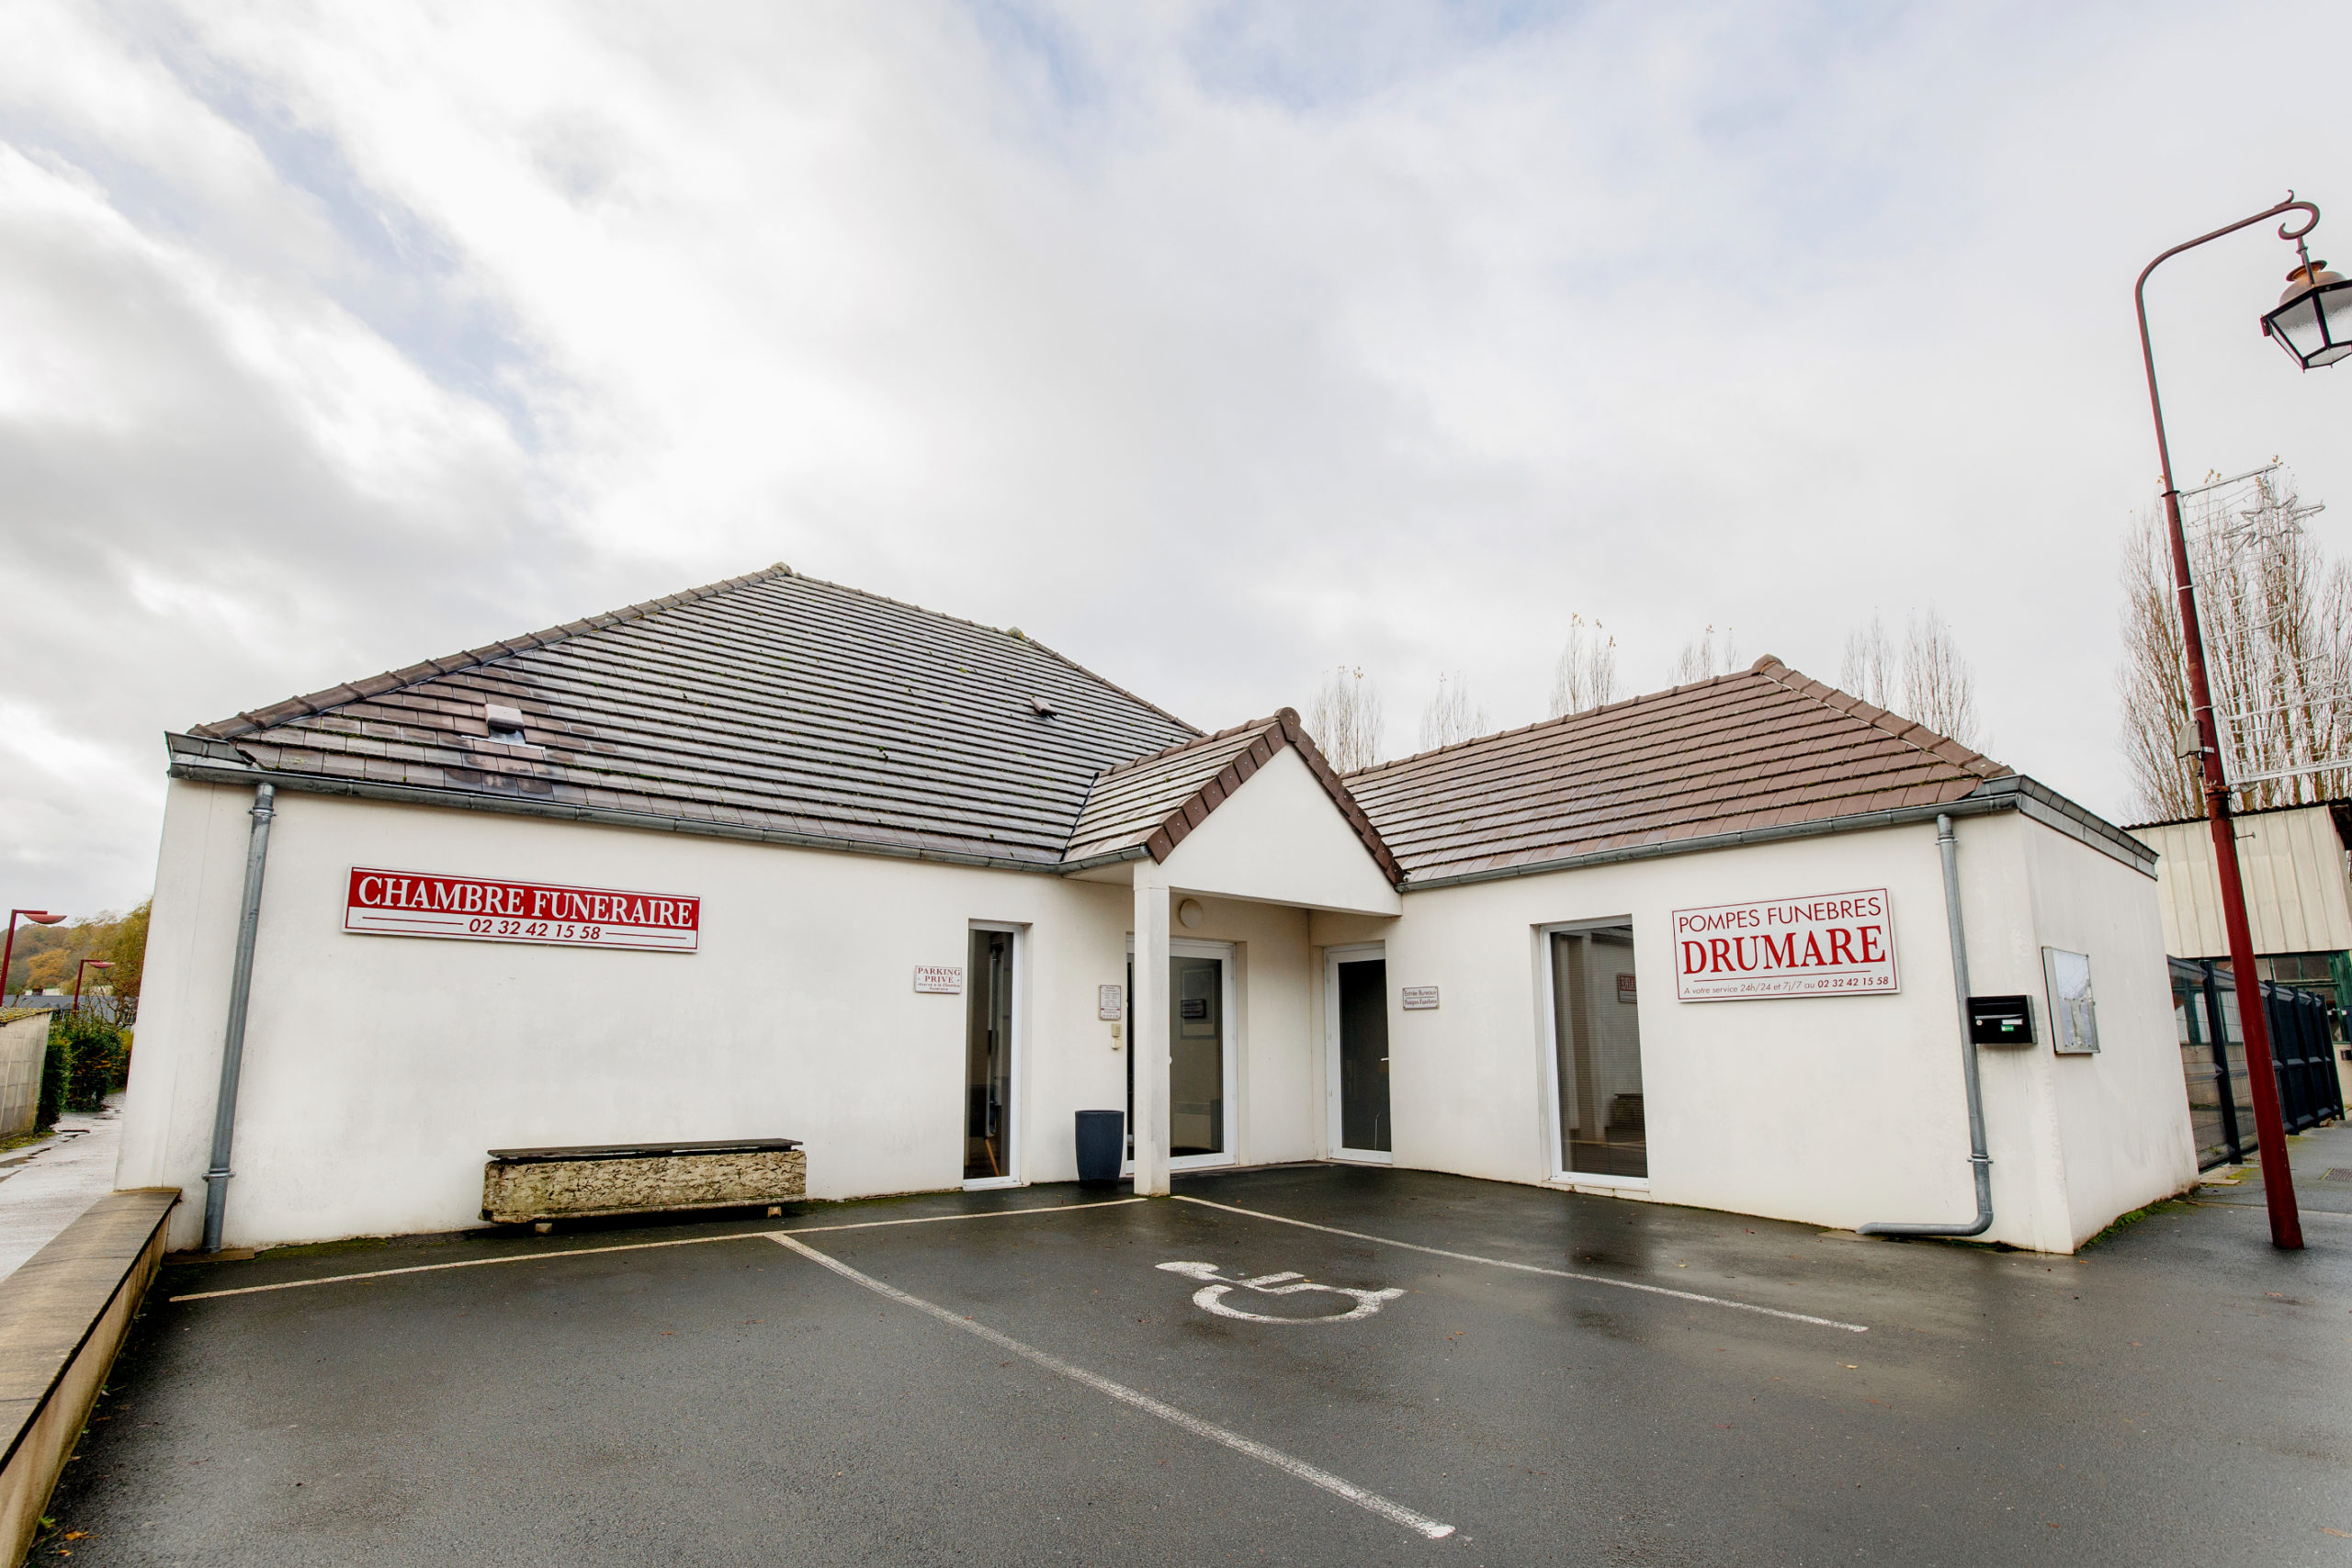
(1762, 747)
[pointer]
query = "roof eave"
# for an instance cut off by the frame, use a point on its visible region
(2012, 792)
(200, 759)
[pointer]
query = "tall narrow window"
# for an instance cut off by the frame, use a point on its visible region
(1361, 993)
(1196, 1056)
(988, 1058)
(1599, 1038)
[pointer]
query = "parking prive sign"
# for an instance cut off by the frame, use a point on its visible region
(1824, 945)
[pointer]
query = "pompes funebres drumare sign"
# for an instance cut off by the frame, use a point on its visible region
(492, 908)
(1824, 945)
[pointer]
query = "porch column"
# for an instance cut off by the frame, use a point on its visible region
(1147, 1029)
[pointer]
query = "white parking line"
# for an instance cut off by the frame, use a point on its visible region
(644, 1247)
(1396, 1513)
(1532, 1269)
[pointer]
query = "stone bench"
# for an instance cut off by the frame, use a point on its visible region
(520, 1185)
(63, 1316)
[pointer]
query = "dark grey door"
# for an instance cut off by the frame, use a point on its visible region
(1363, 1055)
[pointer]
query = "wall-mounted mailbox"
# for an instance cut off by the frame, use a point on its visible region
(2000, 1020)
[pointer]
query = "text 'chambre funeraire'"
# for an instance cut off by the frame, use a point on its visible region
(518, 901)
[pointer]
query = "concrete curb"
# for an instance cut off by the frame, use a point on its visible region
(64, 1315)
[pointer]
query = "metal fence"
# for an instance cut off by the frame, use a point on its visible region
(2213, 1059)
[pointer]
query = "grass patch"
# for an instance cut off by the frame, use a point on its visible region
(2125, 1221)
(21, 1139)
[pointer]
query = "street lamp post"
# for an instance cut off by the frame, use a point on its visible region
(87, 963)
(2310, 322)
(9, 948)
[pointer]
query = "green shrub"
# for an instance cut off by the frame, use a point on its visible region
(54, 1066)
(85, 1059)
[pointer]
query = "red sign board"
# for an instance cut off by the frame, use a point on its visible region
(488, 908)
(1827, 944)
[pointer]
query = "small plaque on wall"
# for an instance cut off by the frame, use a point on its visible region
(939, 979)
(1108, 1006)
(1420, 998)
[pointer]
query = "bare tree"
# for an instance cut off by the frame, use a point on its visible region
(1707, 655)
(1939, 687)
(1453, 715)
(1872, 670)
(1928, 678)
(1587, 674)
(1345, 720)
(2277, 619)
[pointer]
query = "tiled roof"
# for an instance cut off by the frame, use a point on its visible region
(772, 702)
(1764, 747)
(1154, 803)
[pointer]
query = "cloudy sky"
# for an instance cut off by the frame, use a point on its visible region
(1213, 345)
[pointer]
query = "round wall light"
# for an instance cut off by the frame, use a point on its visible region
(1191, 913)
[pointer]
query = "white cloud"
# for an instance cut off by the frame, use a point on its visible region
(1213, 346)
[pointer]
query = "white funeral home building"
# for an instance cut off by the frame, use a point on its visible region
(777, 858)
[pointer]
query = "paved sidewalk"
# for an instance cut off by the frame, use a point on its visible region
(45, 1187)
(2322, 1161)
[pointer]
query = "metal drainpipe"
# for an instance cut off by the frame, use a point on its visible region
(1977, 1158)
(233, 1049)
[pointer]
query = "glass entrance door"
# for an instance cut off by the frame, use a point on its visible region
(1356, 995)
(1201, 1067)
(987, 1059)
(1597, 1034)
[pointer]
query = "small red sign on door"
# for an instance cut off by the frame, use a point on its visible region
(483, 908)
(1624, 987)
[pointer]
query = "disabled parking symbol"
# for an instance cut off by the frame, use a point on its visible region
(1211, 1297)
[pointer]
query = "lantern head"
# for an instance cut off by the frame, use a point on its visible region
(2314, 318)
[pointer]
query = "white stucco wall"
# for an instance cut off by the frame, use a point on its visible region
(1280, 837)
(379, 1070)
(1831, 1111)
(2124, 1132)
(1279, 1087)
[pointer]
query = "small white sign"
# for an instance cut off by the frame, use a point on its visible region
(1822, 944)
(939, 979)
(1420, 998)
(1107, 1006)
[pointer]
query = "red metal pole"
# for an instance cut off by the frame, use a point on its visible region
(9, 948)
(2270, 1128)
(82, 968)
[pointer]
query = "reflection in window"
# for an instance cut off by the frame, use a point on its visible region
(1599, 1037)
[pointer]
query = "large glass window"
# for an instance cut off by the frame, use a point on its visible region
(1598, 1035)
(988, 1058)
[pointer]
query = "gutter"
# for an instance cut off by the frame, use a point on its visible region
(2015, 793)
(1981, 1162)
(244, 775)
(232, 1045)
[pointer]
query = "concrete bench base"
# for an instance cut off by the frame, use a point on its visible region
(637, 1179)
(62, 1317)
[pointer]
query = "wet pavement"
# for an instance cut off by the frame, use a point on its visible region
(1557, 1379)
(45, 1187)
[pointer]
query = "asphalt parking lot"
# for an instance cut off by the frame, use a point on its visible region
(1478, 1373)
